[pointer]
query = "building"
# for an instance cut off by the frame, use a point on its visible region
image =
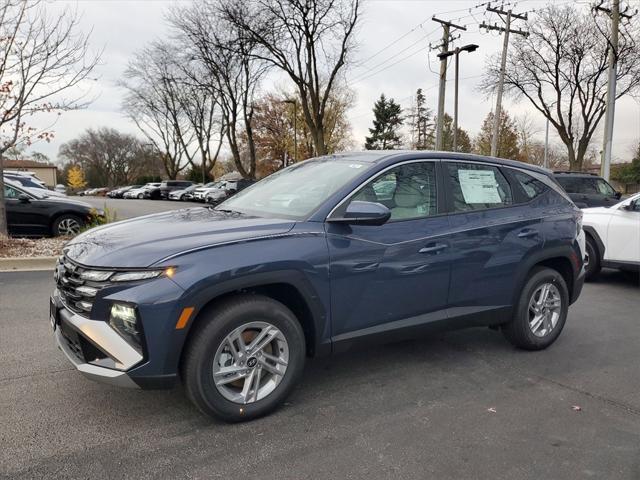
(46, 172)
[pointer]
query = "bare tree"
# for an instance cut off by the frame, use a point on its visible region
(42, 57)
(561, 68)
(153, 103)
(229, 69)
(310, 40)
(107, 156)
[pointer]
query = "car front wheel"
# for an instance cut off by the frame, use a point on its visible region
(243, 358)
(541, 311)
(67, 225)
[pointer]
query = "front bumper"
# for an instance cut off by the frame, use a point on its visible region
(98, 335)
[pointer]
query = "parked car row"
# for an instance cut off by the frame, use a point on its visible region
(179, 190)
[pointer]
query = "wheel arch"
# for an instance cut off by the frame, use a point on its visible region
(291, 288)
(589, 231)
(562, 259)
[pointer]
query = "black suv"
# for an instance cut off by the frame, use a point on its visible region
(162, 192)
(588, 189)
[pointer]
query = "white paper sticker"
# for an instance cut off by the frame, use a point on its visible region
(479, 186)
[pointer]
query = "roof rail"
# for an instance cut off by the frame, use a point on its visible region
(575, 172)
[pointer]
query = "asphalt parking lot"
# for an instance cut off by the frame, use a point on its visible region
(129, 208)
(461, 405)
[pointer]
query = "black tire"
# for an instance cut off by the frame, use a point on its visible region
(518, 330)
(210, 333)
(594, 265)
(64, 225)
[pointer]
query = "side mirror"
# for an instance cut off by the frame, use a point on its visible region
(618, 195)
(633, 206)
(24, 198)
(364, 213)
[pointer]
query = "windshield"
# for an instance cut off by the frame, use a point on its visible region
(296, 191)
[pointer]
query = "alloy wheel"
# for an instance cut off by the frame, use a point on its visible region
(68, 226)
(545, 307)
(250, 362)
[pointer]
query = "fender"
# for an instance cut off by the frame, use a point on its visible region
(566, 252)
(293, 278)
(594, 234)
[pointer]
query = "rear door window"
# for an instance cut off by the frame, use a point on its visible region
(477, 187)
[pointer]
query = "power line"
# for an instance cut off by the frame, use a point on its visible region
(510, 15)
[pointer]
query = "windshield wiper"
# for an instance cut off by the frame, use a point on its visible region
(225, 210)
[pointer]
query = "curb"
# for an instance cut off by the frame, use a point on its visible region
(27, 264)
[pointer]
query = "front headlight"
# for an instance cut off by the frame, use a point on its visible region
(95, 275)
(124, 320)
(132, 276)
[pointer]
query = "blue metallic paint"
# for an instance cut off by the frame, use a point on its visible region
(358, 281)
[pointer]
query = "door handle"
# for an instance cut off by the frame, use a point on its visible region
(438, 247)
(527, 233)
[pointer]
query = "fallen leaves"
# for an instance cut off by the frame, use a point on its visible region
(31, 247)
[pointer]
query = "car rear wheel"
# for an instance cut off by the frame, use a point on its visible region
(244, 358)
(541, 311)
(67, 225)
(592, 262)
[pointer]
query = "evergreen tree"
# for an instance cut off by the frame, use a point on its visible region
(508, 142)
(385, 134)
(420, 122)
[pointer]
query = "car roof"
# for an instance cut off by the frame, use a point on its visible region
(376, 156)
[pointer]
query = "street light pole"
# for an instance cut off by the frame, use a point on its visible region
(467, 48)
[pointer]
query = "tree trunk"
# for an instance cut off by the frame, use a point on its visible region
(571, 154)
(4, 231)
(252, 148)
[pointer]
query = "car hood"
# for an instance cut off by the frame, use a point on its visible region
(596, 210)
(143, 241)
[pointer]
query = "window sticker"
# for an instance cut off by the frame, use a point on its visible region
(479, 186)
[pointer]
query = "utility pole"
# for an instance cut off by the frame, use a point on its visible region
(444, 47)
(467, 48)
(503, 64)
(546, 146)
(294, 102)
(615, 14)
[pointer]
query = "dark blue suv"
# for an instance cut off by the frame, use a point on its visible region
(323, 255)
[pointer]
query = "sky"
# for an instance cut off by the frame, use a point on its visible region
(393, 57)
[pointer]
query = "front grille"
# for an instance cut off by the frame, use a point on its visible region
(77, 293)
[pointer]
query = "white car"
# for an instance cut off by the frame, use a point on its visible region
(139, 192)
(199, 194)
(613, 236)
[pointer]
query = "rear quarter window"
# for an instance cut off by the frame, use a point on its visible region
(530, 186)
